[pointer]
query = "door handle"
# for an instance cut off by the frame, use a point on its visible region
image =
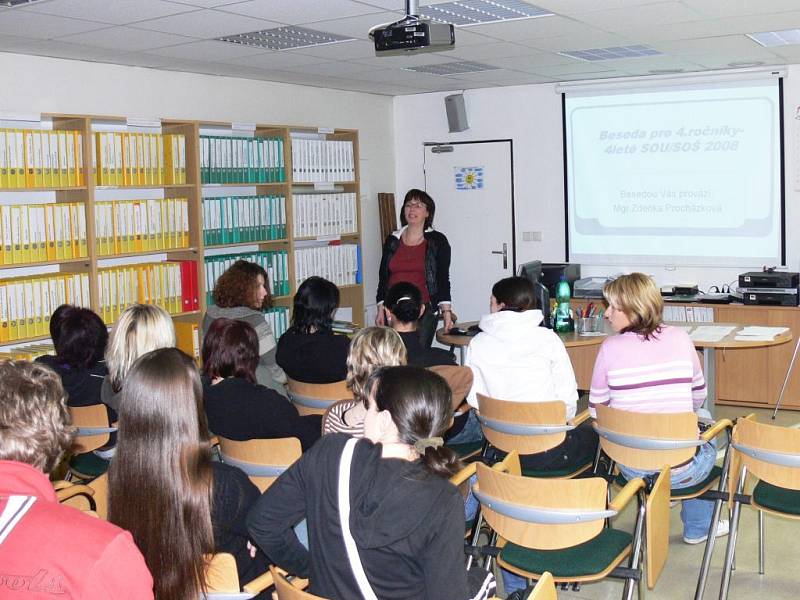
(504, 252)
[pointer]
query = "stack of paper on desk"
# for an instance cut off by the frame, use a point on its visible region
(759, 334)
(710, 333)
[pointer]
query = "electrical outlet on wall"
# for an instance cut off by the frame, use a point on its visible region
(531, 236)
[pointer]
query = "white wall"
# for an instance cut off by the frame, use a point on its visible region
(32, 84)
(531, 117)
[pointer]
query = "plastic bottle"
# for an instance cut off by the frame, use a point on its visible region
(563, 321)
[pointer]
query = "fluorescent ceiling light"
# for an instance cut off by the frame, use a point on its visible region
(612, 53)
(285, 38)
(771, 39)
(477, 12)
(452, 68)
(13, 3)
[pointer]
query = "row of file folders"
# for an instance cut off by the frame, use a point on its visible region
(172, 285)
(275, 263)
(139, 159)
(42, 232)
(32, 158)
(233, 219)
(339, 263)
(234, 159)
(128, 226)
(26, 303)
(317, 161)
(324, 214)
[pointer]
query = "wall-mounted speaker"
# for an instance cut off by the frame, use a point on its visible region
(456, 112)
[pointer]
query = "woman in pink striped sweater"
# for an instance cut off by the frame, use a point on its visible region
(653, 368)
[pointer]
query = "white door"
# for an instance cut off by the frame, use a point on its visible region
(473, 188)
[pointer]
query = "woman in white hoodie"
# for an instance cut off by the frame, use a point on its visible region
(517, 360)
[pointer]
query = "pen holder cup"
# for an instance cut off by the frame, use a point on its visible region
(589, 324)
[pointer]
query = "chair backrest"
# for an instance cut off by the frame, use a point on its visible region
(76, 495)
(314, 398)
(222, 579)
(528, 427)
(545, 588)
(458, 378)
(92, 427)
(262, 460)
(657, 527)
(647, 441)
(769, 452)
(545, 514)
(286, 591)
(100, 487)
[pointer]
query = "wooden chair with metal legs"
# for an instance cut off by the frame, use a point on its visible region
(770, 455)
(92, 432)
(558, 525)
(262, 460)
(530, 428)
(222, 580)
(647, 441)
(315, 398)
(290, 590)
(545, 588)
(76, 495)
(459, 379)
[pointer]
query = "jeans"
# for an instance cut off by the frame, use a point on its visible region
(695, 514)
(471, 432)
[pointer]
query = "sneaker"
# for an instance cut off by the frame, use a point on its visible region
(722, 530)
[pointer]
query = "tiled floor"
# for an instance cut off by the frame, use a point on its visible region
(679, 579)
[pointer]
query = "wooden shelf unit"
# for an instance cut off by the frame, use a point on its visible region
(90, 193)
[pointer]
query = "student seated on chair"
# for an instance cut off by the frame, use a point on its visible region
(309, 351)
(237, 407)
(139, 329)
(371, 347)
(49, 550)
(179, 505)
(516, 360)
(405, 518)
(653, 368)
(242, 293)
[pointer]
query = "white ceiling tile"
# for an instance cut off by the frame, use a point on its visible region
(573, 7)
(210, 50)
(204, 3)
(577, 67)
(629, 17)
(763, 22)
(649, 33)
(206, 24)
(596, 39)
(278, 60)
(735, 8)
(487, 76)
(118, 12)
(342, 51)
(408, 60)
(527, 29)
(33, 25)
(532, 62)
(126, 38)
(293, 12)
(485, 52)
(334, 69)
(645, 64)
(355, 27)
(592, 75)
(725, 43)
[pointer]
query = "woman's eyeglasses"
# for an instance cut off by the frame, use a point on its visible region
(415, 204)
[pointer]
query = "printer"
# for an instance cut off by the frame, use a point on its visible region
(769, 288)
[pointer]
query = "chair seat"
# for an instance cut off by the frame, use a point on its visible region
(777, 498)
(465, 450)
(554, 473)
(88, 465)
(583, 560)
(678, 493)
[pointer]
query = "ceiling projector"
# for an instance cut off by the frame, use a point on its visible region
(412, 34)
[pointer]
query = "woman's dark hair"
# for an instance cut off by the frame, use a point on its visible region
(80, 336)
(419, 402)
(404, 300)
(516, 293)
(237, 286)
(422, 196)
(314, 303)
(230, 349)
(55, 321)
(160, 479)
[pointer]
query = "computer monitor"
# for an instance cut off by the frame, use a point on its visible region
(552, 273)
(532, 271)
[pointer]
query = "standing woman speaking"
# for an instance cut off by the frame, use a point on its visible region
(417, 254)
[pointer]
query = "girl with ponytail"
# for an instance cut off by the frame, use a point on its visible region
(406, 519)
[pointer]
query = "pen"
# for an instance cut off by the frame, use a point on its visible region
(589, 308)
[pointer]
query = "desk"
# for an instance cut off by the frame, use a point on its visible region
(583, 350)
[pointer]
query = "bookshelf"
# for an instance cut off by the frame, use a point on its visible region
(149, 198)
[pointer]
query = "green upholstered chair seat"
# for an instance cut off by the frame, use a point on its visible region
(678, 493)
(777, 498)
(589, 558)
(563, 472)
(88, 464)
(466, 449)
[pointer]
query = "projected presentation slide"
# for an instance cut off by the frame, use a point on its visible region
(679, 173)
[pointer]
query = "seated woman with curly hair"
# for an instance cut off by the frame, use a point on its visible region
(242, 293)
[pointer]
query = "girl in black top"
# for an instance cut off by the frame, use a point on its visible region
(309, 351)
(237, 407)
(404, 309)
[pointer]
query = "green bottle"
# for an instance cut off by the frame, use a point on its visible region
(563, 321)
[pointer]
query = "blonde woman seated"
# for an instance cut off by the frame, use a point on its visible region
(140, 329)
(370, 348)
(653, 368)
